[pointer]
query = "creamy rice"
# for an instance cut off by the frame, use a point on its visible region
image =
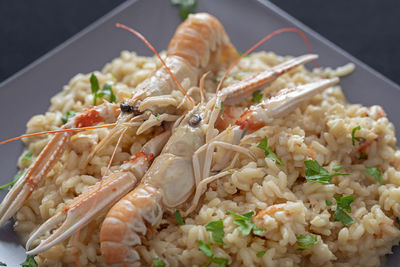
(285, 203)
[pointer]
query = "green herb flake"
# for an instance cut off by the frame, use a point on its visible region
(306, 241)
(344, 202)
(220, 261)
(353, 137)
(245, 225)
(257, 96)
(205, 248)
(217, 231)
(222, 110)
(261, 253)
(179, 218)
(67, 116)
(363, 156)
(158, 117)
(258, 231)
(374, 172)
(29, 262)
(342, 216)
(94, 84)
(27, 157)
(14, 180)
(2, 264)
(328, 202)
(107, 90)
(336, 168)
(158, 262)
(317, 174)
(343, 205)
(268, 151)
(185, 7)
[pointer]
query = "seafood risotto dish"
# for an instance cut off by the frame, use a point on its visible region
(169, 162)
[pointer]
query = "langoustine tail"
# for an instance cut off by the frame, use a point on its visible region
(126, 224)
(203, 42)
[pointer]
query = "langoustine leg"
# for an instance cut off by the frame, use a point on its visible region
(98, 197)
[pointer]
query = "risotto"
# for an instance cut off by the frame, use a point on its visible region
(349, 219)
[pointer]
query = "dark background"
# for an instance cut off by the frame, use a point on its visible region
(367, 29)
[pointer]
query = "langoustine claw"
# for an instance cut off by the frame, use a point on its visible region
(50, 155)
(97, 198)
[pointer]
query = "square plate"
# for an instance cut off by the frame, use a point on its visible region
(245, 21)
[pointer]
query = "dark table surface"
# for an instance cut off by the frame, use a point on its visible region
(367, 29)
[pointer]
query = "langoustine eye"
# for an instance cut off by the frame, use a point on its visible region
(126, 108)
(194, 120)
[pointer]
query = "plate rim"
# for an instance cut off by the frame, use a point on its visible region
(265, 3)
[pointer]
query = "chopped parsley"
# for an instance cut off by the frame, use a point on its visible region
(336, 168)
(344, 202)
(222, 110)
(363, 156)
(185, 7)
(374, 172)
(2, 264)
(67, 116)
(158, 262)
(158, 117)
(27, 157)
(245, 225)
(217, 231)
(94, 84)
(107, 90)
(268, 151)
(14, 180)
(178, 218)
(257, 96)
(353, 137)
(318, 174)
(205, 248)
(328, 202)
(343, 205)
(29, 262)
(261, 253)
(306, 241)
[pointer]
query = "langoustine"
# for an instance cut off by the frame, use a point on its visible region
(153, 96)
(135, 105)
(229, 94)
